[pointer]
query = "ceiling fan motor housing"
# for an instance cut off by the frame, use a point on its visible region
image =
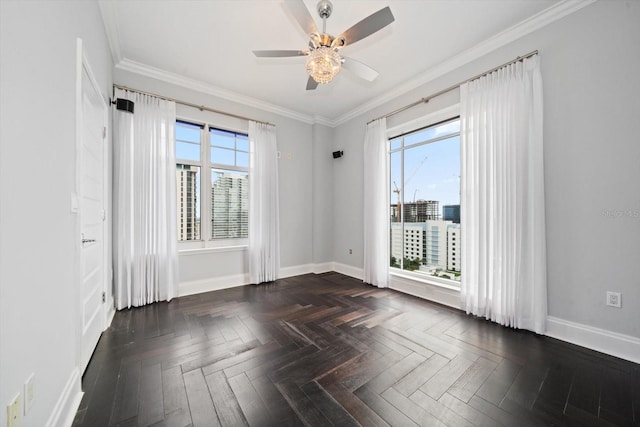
(324, 8)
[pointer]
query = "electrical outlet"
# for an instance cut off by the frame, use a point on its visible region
(614, 299)
(29, 392)
(350, 251)
(14, 411)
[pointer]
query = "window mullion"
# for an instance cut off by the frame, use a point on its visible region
(205, 189)
(401, 195)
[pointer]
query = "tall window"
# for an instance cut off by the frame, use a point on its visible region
(229, 184)
(224, 156)
(188, 163)
(424, 191)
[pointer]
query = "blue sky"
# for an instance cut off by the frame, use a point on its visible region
(432, 171)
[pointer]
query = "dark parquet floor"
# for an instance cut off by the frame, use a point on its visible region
(323, 350)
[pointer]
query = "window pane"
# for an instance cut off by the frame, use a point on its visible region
(242, 159)
(188, 131)
(187, 141)
(187, 151)
(188, 200)
(221, 138)
(433, 132)
(395, 143)
(223, 156)
(242, 143)
(229, 204)
(425, 203)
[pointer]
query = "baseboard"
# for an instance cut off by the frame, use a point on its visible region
(296, 270)
(68, 403)
(212, 284)
(325, 267)
(348, 270)
(224, 282)
(111, 312)
(618, 345)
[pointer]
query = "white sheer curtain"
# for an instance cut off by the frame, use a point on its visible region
(145, 237)
(502, 212)
(376, 205)
(264, 219)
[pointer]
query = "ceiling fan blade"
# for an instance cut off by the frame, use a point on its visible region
(368, 26)
(279, 53)
(302, 15)
(311, 84)
(359, 69)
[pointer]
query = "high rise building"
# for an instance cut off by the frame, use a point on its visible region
(435, 243)
(421, 211)
(229, 205)
(451, 213)
(187, 193)
(453, 247)
(411, 243)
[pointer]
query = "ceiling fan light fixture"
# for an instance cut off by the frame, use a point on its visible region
(323, 64)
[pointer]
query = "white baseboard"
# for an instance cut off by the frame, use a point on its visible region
(348, 270)
(68, 403)
(212, 284)
(224, 282)
(618, 345)
(296, 270)
(325, 267)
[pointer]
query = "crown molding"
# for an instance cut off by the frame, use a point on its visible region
(521, 29)
(320, 120)
(199, 86)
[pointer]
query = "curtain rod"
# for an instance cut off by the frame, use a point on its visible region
(450, 88)
(188, 104)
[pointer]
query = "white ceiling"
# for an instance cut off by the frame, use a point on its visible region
(207, 44)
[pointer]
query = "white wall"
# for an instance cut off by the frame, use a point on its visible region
(39, 308)
(207, 270)
(590, 66)
(323, 194)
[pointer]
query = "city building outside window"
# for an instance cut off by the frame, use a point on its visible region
(424, 190)
(212, 168)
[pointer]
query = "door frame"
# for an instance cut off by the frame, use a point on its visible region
(107, 309)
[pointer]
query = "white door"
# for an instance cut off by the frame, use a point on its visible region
(91, 198)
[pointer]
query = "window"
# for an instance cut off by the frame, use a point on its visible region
(424, 190)
(221, 212)
(229, 184)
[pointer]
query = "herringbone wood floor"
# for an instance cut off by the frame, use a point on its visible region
(323, 350)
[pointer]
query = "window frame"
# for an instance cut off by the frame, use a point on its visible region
(206, 166)
(433, 119)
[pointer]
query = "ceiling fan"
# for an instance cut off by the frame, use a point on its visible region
(323, 56)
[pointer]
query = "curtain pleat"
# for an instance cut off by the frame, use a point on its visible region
(145, 236)
(264, 217)
(502, 206)
(376, 205)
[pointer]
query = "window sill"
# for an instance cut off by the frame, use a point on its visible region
(212, 250)
(433, 281)
(441, 293)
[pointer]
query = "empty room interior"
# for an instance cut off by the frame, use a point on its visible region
(302, 212)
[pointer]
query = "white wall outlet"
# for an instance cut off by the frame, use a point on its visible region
(614, 299)
(29, 392)
(350, 251)
(14, 411)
